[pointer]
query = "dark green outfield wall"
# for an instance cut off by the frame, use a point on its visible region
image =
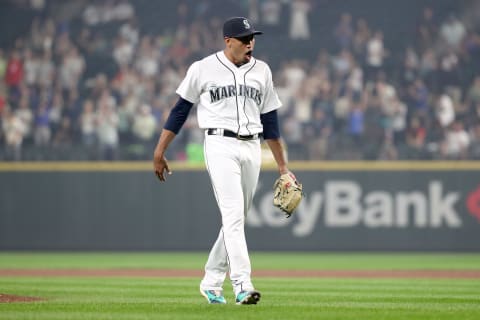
(346, 208)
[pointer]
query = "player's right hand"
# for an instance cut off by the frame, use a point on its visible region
(160, 166)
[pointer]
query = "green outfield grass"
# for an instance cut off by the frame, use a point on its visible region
(283, 298)
(261, 260)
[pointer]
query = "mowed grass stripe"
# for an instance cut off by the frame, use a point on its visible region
(98, 287)
(107, 260)
(390, 284)
(282, 299)
(260, 261)
(307, 283)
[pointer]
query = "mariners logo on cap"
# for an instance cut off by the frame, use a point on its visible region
(238, 27)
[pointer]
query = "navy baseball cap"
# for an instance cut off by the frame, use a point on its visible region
(238, 27)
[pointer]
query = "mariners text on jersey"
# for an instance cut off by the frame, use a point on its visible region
(219, 93)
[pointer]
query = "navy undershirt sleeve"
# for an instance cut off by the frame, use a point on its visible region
(270, 125)
(178, 115)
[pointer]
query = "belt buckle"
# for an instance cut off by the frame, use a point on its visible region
(216, 132)
(246, 138)
(243, 138)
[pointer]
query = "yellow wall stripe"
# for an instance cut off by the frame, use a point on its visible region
(294, 166)
(91, 166)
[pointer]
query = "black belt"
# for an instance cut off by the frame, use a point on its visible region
(231, 134)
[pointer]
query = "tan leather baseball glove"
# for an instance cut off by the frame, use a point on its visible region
(287, 193)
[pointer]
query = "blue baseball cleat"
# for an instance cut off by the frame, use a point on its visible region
(213, 297)
(248, 297)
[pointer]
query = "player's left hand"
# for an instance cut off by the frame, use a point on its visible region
(160, 165)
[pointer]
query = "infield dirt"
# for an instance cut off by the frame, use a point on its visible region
(10, 298)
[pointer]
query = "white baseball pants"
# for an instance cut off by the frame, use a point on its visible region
(234, 167)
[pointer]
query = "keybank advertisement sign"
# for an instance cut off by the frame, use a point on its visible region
(378, 209)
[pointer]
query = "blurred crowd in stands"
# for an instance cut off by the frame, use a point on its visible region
(94, 80)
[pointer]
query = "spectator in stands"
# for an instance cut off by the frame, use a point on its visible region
(411, 66)
(92, 14)
(107, 126)
(344, 32)
(169, 78)
(55, 112)
(14, 75)
(123, 10)
(25, 114)
(299, 24)
(341, 110)
(355, 79)
(97, 86)
(315, 128)
(415, 138)
(71, 69)
(428, 69)
(471, 49)
(62, 43)
(444, 110)
(84, 41)
(126, 113)
(302, 104)
(456, 142)
(356, 124)
(271, 11)
(144, 125)
(14, 131)
(360, 39)
(46, 71)
(146, 62)
(87, 124)
(342, 65)
(130, 31)
(374, 125)
(435, 137)
(397, 115)
(63, 136)
(123, 52)
(42, 34)
(294, 73)
(384, 90)
(375, 56)
(293, 135)
(427, 30)
(42, 131)
(418, 99)
(31, 64)
(452, 32)
(449, 70)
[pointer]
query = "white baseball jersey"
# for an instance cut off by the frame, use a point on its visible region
(227, 96)
(232, 98)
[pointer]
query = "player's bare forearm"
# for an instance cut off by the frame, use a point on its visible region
(160, 163)
(163, 142)
(276, 147)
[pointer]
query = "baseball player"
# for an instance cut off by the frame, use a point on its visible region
(236, 106)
